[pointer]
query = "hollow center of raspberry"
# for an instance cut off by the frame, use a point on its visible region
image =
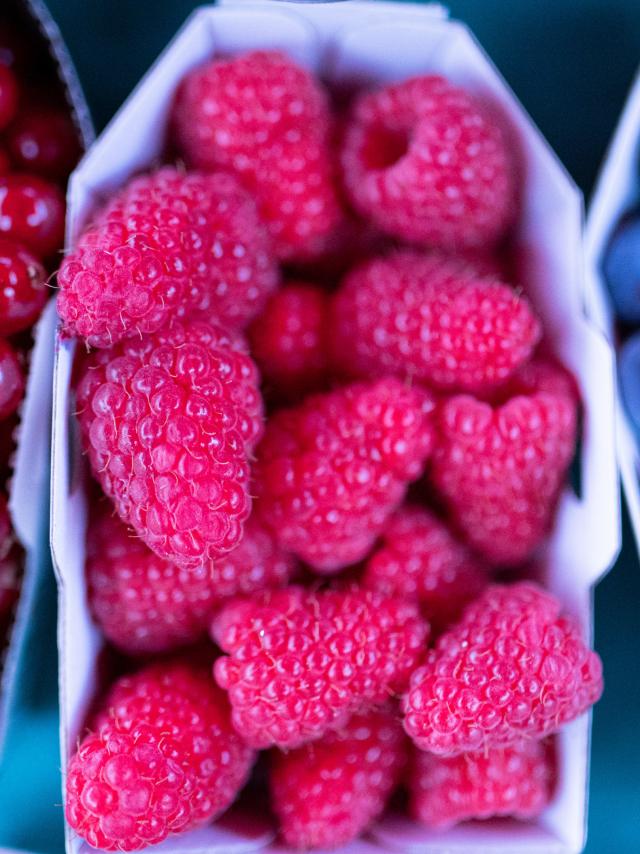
(384, 147)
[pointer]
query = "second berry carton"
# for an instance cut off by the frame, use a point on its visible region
(349, 46)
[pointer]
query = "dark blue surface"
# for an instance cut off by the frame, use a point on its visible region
(571, 63)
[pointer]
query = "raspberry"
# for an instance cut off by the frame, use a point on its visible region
(419, 559)
(23, 288)
(267, 120)
(145, 604)
(8, 96)
(167, 245)
(331, 470)
(32, 212)
(505, 781)
(5, 163)
(512, 668)
(289, 340)
(501, 469)
(12, 381)
(44, 142)
(168, 422)
(326, 793)
(427, 164)
(6, 531)
(163, 758)
(430, 318)
(300, 662)
(9, 589)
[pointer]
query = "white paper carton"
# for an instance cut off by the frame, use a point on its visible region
(29, 489)
(616, 192)
(374, 42)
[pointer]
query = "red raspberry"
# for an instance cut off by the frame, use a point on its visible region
(9, 589)
(145, 604)
(44, 142)
(428, 317)
(501, 469)
(12, 381)
(5, 163)
(331, 471)
(6, 529)
(169, 422)
(505, 781)
(162, 758)
(301, 663)
(267, 120)
(8, 96)
(326, 793)
(512, 668)
(166, 246)
(419, 559)
(32, 212)
(289, 340)
(23, 288)
(426, 163)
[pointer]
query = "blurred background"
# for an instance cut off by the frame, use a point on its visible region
(571, 63)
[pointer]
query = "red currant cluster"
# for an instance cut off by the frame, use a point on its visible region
(39, 146)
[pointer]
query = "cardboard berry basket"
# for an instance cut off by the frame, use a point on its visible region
(372, 42)
(617, 191)
(29, 492)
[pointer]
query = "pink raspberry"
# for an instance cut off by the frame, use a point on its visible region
(500, 469)
(301, 663)
(267, 120)
(289, 340)
(162, 758)
(166, 246)
(144, 604)
(428, 164)
(331, 470)
(430, 318)
(504, 781)
(169, 422)
(327, 793)
(512, 668)
(419, 559)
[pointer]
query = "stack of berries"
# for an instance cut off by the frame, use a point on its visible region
(323, 420)
(39, 146)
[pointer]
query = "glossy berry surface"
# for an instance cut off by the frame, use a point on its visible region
(23, 288)
(514, 667)
(161, 758)
(44, 142)
(169, 422)
(289, 340)
(622, 269)
(145, 604)
(429, 318)
(267, 120)
(167, 245)
(330, 471)
(300, 663)
(32, 212)
(327, 793)
(419, 559)
(428, 164)
(8, 96)
(500, 469)
(504, 781)
(12, 380)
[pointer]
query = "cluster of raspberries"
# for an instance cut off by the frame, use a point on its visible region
(319, 409)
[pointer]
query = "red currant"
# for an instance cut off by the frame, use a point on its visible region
(44, 142)
(11, 380)
(8, 96)
(23, 288)
(32, 212)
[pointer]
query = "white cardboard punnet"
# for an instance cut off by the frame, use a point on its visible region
(373, 42)
(29, 488)
(616, 192)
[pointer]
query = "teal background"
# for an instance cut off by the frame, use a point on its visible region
(571, 63)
